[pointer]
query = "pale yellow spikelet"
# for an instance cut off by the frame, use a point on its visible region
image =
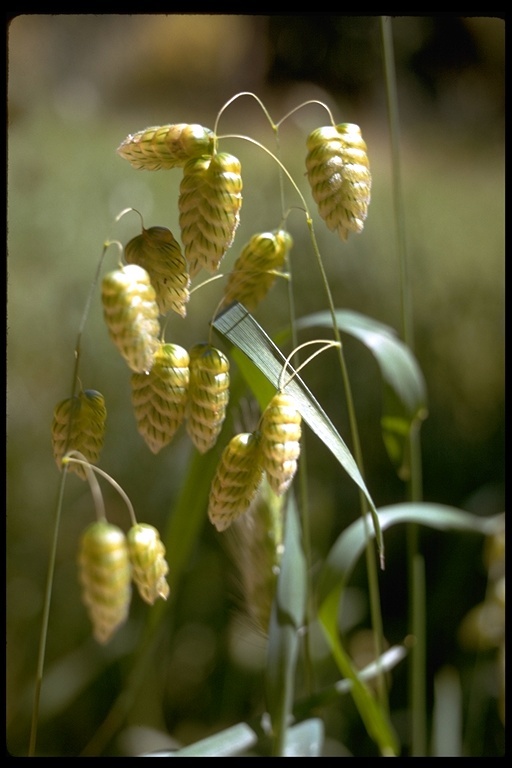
(160, 396)
(236, 480)
(105, 576)
(255, 269)
(166, 146)
(158, 252)
(79, 425)
(209, 204)
(280, 441)
(131, 314)
(208, 395)
(147, 556)
(339, 175)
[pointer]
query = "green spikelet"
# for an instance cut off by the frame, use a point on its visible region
(79, 425)
(159, 397)
(166, 146)
(280, 446)
(339, 175)
(236, 480)
(147, 556)
(131, 314)
(105, 575)
(209, 204)
(208, 395)
(158, 252)
(255, 269)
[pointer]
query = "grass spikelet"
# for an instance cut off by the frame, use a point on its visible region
(159, 397)
(79, 425)
(147, 556)
(105, 576)
(131, 314)
(236, 480)
(339, 175)
(166, 146)
(208, 395)
(280, 441)
(255, 269)
(158, 252)
(209, 204)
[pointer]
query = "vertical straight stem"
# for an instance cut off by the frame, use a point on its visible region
(417, 609)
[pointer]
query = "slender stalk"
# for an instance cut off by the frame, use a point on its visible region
(417, 610)
(373, 584)
(56, 526)
(304, 509)
(45, 618)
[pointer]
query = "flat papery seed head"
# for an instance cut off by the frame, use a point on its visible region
(280, 441)
(208, 395)
(147, 556)
(236, 480)
(209, 205)
(339, 176)
(167, 146)
(79, 425)
(254, 271)
(105, 576)
(159, 398)
(131, 314)
(158, 252)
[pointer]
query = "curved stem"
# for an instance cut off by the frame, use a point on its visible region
(305, 104)
(327, 344)
(276, 159)
(91, 468)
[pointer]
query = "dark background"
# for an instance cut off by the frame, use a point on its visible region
(77, 85)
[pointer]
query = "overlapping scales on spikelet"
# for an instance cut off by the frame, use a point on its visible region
(105, 576)
(159, 398)
(131, 314)
(79, 425)
(339, 175)
(236, 480)
(166, 146)
(158, 252)
(209, 203)
(208, 395)
(255, 270)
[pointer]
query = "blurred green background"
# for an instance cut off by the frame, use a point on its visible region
(77, 86)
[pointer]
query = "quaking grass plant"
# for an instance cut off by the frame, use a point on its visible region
(251, 484)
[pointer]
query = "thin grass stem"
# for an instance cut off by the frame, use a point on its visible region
(373, 584)
(416, 590)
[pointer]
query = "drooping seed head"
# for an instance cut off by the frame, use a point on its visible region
(131, 314)
(236, 480)
(158, 252)
(208, 395)
(280, 441)
(166, 146)
(159, 398)
(105, 576)
(79, 425)
(339, 176)
(209, 204)
(147, 556)
(255, 269)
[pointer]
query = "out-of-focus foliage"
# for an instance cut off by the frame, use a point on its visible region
(78, 84)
